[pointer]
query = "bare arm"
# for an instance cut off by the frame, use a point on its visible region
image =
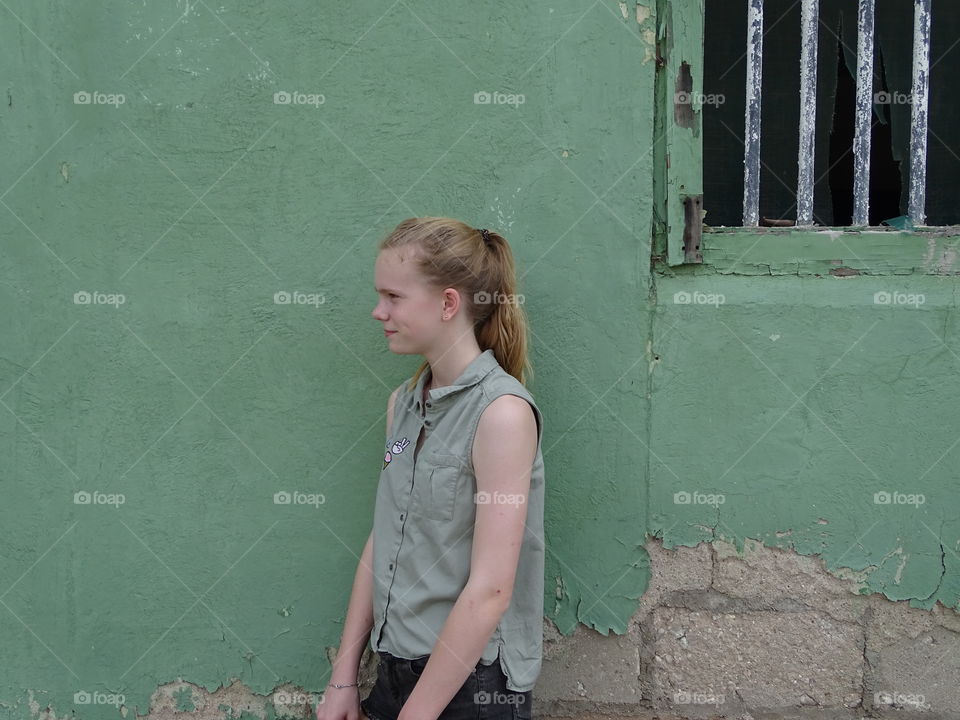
(359, 621)
(356, 628)
(504, 450)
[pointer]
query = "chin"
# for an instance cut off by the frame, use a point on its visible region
(397, 349)
(394, 348)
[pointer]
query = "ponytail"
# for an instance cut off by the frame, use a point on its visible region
(505, 328)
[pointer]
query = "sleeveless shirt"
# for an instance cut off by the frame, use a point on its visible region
(423, 524)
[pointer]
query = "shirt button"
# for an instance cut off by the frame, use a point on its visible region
(429, 404)
(391, 566)
(401, 516)
(427, 423)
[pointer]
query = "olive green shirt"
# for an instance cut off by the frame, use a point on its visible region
(424, 518)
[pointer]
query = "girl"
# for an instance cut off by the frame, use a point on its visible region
(449, 588)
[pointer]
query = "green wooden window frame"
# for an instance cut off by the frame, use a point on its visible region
(681, 239)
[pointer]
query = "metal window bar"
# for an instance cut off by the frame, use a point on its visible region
(864, 112)
(751, 133)
(809, 23)
(918, 120)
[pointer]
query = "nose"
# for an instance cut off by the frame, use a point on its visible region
(377, 313)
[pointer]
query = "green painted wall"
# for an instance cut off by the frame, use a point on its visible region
(199, 397)
(797, 400)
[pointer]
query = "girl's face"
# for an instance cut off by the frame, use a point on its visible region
(406, 305)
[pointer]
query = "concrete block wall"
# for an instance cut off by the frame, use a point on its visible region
(768, 633)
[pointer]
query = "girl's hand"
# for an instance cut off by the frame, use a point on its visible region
(340, 704)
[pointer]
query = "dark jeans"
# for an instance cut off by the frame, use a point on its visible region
(484, 695)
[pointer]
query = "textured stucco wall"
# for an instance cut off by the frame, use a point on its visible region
(198, 397)
(809, 416)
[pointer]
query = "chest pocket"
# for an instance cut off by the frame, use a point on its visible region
(436, 485)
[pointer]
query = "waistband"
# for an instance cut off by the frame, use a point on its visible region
(417, 663)
(384, 655)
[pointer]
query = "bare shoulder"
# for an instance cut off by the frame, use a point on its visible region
(507, 409)
(508, 416)
(505, 445)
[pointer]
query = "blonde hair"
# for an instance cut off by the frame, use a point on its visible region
(453, 254)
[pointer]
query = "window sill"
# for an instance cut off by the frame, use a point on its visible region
(827, 251)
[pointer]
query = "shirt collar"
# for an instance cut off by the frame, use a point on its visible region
(479, 368)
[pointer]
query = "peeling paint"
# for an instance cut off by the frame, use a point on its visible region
(844, 272)
(939, 259)
(683, 113)
(650, 44)
(901, 565)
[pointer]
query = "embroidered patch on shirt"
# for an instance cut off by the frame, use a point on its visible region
(397, 448)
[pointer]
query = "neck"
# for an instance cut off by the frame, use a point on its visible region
(447, 367)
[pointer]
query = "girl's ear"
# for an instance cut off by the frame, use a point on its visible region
(451, 300)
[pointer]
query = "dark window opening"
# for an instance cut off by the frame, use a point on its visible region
(725, 34)
(885, 178)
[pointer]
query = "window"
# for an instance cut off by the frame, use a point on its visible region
(727, 66)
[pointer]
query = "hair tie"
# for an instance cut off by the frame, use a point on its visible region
(486, 236)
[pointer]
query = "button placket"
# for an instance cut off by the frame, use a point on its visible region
(398, 536)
